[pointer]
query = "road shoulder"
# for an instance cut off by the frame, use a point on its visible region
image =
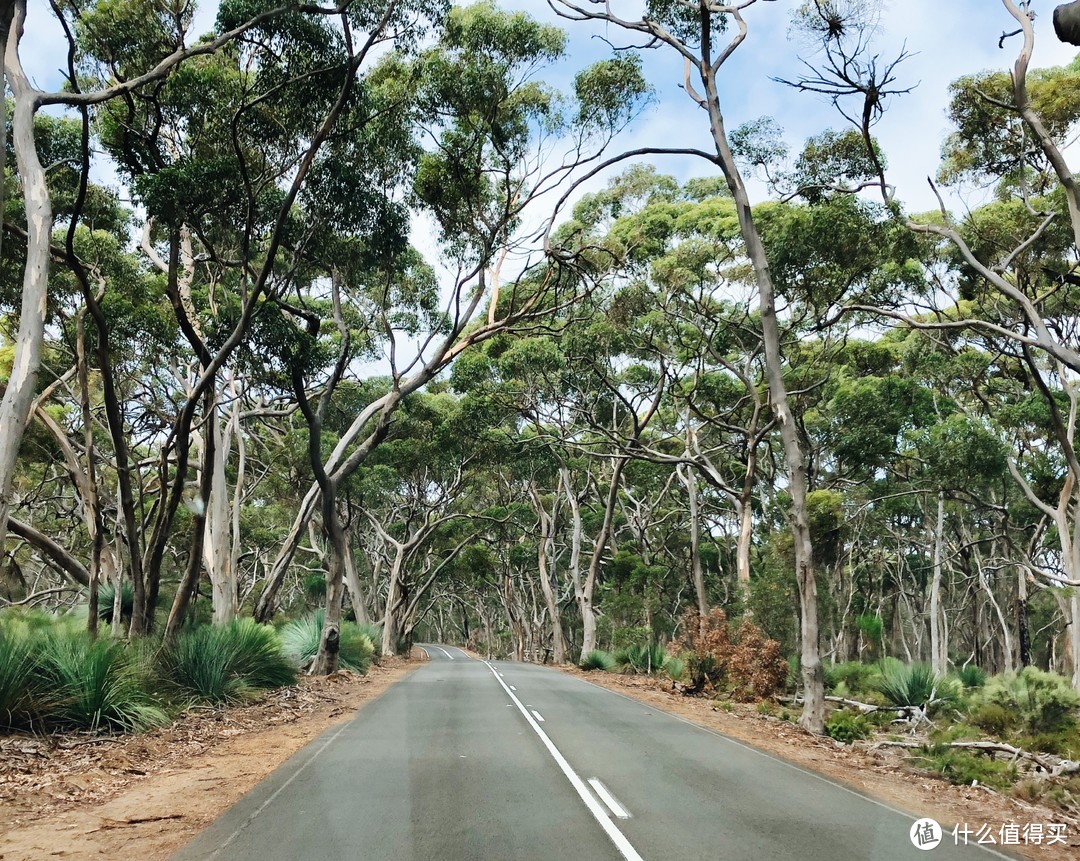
(880, 774)
(145, 796)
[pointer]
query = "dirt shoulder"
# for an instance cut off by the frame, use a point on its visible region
(881, 773)
(144, 796)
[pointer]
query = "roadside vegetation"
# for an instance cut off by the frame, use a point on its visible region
(55, 677)
(1017, 733)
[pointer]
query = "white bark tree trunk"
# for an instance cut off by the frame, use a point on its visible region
(939, 649)
(19, 395)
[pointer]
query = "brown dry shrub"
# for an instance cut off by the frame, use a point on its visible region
(748, 666)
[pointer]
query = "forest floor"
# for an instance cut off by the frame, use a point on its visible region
(881, 773)
(143, 796)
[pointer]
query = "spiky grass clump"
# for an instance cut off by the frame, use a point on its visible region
(300, 640)
(107, 597)
(22, 697)
(227, 663)
(675, 668)
(971, 676)
(95, 685)
(645, 658)
(913, 685)
(374, 633)
(598, 659)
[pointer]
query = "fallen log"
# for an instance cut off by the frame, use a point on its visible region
(1052, 765)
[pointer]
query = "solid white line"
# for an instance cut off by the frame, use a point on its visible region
(624, 846)
(536, 715)
(441, 649)
(609, 799)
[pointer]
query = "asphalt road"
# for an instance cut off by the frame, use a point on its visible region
(465, 759)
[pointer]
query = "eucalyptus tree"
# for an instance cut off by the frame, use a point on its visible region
(1012, 278)
(696, 32)
(485, 125)
(168, 27)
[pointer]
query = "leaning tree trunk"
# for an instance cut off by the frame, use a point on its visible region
(813, 715)
(19, 395)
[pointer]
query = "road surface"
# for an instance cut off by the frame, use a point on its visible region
(465, 759)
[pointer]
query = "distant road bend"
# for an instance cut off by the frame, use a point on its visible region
(466, 759)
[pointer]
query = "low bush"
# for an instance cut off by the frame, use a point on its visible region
(21, 693)
(971, 676)
(965, 768)
(675, 668)
(374, 633)
(598, 659)
(646, 658)
(107, 599)
(1032, 700)
(746, 664)
(95, 685)
(848, 726)
(913, 685)
(224, 663)
(300, 640)
(855, 677)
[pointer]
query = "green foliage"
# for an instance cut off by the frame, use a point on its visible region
(872, 627)
(854, 676)
(675, 668)
(971, 676)
(913, 685)
(107, 597)
(646, 658)
(95, 685)
(1034, 700)
(848, 726)
(225, 663)
(965, 768)
(300, 640)
(22, 697)
(598, 659)
(374, 633)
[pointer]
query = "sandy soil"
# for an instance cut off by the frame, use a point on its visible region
(142, 797)
(881, 773)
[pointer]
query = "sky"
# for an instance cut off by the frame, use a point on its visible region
(947, 38)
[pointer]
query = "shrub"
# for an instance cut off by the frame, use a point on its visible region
(871, 626)
(21, 694)
(226, 663)
(855, 677)
(965, 768)
(971, 676)
(646, 658)
(95, 685)
(598, 659)
(991, 717)
(1039, 701)
(847, 726)
(749, 665)
(107, 596)
(913, 685)
(374, 633)
(300, 640)
(675, 668)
